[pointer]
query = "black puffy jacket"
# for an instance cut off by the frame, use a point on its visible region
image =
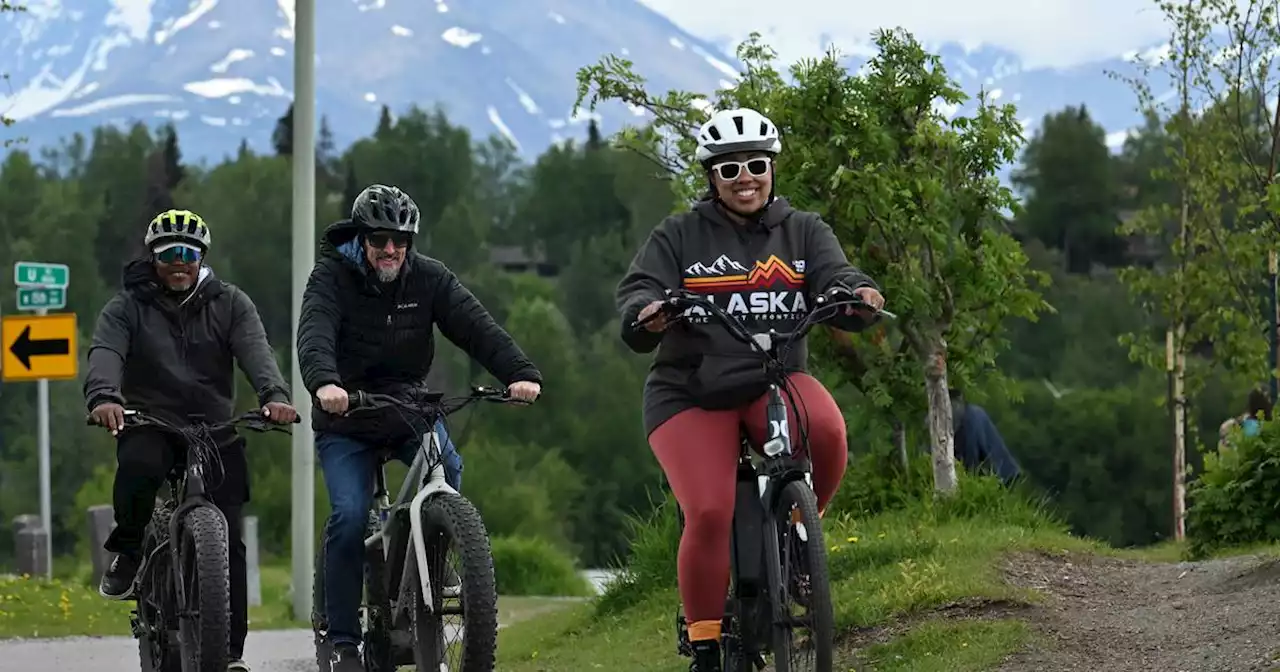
(362, 334)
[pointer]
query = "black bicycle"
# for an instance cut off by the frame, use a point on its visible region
(408, 608)
(182, 620)
(778, 557)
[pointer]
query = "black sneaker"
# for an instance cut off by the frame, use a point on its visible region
(117, 581)
(345, 658)
(706, 656)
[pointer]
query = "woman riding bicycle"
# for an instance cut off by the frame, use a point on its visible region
(765, 262)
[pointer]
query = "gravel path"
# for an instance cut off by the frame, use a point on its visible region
(1104, 614)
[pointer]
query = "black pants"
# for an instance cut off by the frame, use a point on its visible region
(144, 459)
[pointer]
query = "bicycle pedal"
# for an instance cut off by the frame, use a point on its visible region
(759, 662)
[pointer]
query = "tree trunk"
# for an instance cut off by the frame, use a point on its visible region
(940, 433)
(900, 443)
(1176, 362)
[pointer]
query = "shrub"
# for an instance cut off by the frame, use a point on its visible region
(875, 483)
(533, 566)
(1235, 500)
(651, 565)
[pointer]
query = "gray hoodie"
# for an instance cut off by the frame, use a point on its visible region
(766, 272)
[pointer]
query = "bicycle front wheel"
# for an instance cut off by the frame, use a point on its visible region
(804, 640)
(205, 628)
(460, 633)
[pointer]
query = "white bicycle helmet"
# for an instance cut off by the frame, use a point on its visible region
(740, 130)
(178, 226)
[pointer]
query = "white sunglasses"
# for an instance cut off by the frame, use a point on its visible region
(730, 170)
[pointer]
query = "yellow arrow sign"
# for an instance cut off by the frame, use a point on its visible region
(38, 346)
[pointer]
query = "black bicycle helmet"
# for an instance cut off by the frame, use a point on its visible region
(388, 208)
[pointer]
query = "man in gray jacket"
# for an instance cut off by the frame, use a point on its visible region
(165, 345)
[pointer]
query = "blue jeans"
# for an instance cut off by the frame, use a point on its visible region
(979, 443)
(348, 467)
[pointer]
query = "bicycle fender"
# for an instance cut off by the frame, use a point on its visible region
(435, 485)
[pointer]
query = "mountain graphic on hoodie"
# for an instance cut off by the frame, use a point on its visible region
(721, 266)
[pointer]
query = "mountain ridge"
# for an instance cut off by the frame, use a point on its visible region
(221, 70)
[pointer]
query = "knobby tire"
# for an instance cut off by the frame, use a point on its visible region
(205, 567)
(451, 518)
(813, 554)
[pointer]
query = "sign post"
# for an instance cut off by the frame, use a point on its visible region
(39, 348)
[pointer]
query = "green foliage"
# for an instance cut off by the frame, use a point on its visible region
(1101, 454)
(1234, 502)
(876, 483)
(910, 193)
(651, 564)
(534, 566)
(1218, 167)
(1072, 195)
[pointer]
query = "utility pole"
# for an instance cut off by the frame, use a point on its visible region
(304, 243)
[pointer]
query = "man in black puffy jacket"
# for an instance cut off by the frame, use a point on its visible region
(367, 321)
(167, 344)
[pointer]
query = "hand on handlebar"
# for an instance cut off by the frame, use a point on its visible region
(333, 399)
(868, 302)
(651, 322)
(109, 415)
(280, 412)
(524, 391)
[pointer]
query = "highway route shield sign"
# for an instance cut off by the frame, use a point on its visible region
(38, 346)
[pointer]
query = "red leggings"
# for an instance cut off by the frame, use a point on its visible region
(699, 449)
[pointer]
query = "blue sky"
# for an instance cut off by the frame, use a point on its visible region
(1054, 33)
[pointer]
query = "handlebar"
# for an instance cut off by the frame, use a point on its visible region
(251, 420)
(419, 402)
(825, 306)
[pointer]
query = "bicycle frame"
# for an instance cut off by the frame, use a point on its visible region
(420, 485)
(186, 493)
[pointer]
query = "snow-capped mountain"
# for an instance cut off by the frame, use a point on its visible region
(723, 265)
(222, 70)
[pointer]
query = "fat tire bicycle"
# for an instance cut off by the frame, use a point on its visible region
(406, 547)
(182, 619)
(778, 559)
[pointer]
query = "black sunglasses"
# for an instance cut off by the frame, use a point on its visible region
(380, 239)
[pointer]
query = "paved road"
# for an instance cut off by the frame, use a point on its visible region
(267, 651)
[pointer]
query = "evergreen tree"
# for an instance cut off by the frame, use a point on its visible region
(282, 136)
(385, 124)
(1068, 180)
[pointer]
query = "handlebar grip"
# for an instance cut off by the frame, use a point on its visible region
(357, 399)
(88, 420)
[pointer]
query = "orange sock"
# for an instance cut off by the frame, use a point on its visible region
(704, 630)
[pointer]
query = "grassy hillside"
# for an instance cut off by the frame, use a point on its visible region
(916, 588)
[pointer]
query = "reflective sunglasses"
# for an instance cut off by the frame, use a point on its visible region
(179, 255)
(380, 239)
(730, 170)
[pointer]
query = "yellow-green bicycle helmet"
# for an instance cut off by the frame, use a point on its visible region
(178, 226)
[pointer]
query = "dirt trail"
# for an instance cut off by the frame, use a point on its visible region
(1105, 614)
